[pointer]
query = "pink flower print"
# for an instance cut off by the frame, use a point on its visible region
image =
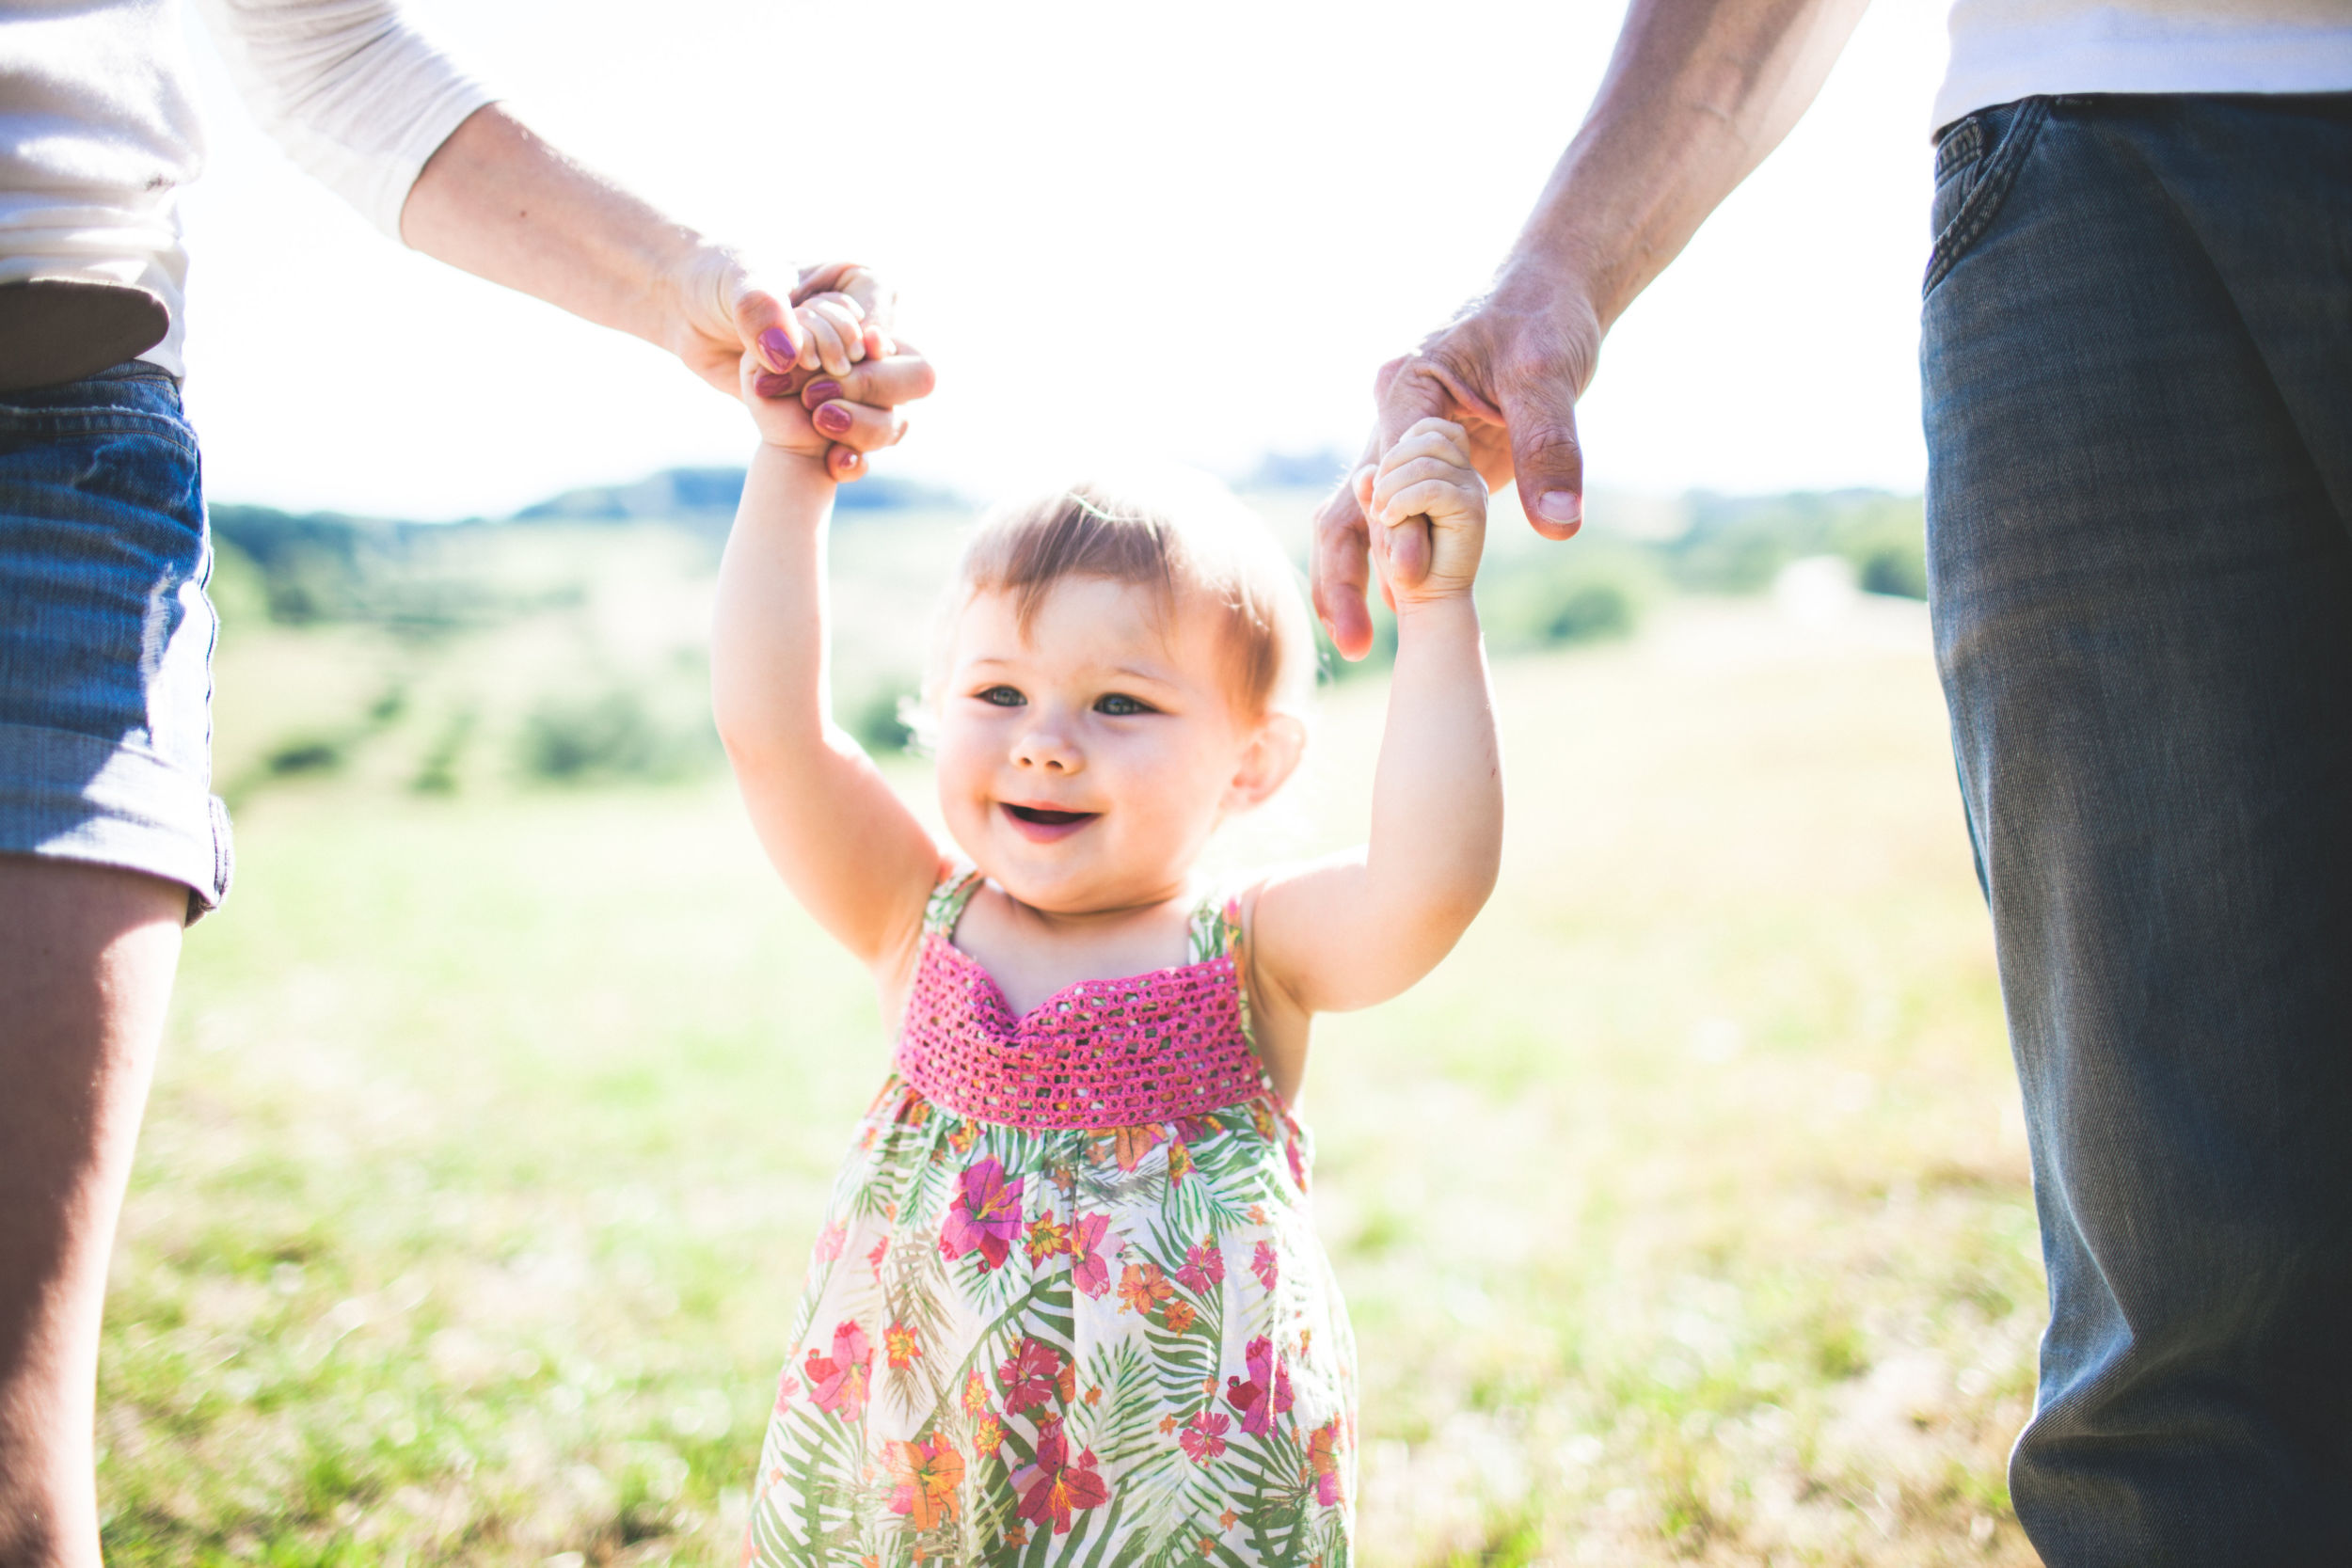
(1323, 1461)
(838, 1382)
(1265, 1265)
(1203, 1270)
(1199, 1129)
(1089, 1239)
(1052, 1488)
(1266, 1394)
(985, 1214)
(1203, 1437)
(829, 1241)
(786, 1386)
(874, 1259)
(1030, 1376)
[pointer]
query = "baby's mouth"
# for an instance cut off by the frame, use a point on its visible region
(1044, 823)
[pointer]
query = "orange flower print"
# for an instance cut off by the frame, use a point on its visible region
(1323, 1459)
(1208, 1545)
(1225, 1520)
(1094, 1394)
(923, 1478)
(900, 1346)
(1046, 1237)
(1178, 1317)
(1141, 1287)
(988, 1436)
(1178, 1161)
(1016, 1535)
(1067, 1385)
(1167, 1424)
(1129, 1145)
(974, 1393)
(963, 1136)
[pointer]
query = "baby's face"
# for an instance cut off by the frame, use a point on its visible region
(1083, 766)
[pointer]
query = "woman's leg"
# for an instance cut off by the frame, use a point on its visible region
(85, 962)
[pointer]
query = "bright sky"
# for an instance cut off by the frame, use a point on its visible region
(1117, 229)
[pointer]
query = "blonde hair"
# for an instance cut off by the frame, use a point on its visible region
(1184, 536)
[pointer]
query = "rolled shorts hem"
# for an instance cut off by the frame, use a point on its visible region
(68, 796)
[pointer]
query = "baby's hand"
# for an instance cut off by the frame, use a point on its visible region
(1428, 508)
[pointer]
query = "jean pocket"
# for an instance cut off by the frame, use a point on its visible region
(1976, 163)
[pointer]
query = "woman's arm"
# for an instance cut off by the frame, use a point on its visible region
(1349, 933)
(846, 845)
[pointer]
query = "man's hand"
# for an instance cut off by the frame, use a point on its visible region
(1508, 371)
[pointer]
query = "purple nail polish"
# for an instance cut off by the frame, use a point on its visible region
(778, 347)
(832, 419)
(767, 383)
(821, 391)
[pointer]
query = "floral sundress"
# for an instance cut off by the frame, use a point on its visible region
(1067, 1306)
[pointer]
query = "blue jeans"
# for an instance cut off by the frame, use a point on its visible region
(2138, 361)
(105, 634)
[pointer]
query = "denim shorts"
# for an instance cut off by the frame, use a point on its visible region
(105, 634)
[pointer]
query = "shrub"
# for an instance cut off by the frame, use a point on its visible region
(613, 734)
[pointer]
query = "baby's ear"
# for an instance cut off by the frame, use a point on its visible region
(1273, 757)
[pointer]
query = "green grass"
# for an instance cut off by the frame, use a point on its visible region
(1683, 1212)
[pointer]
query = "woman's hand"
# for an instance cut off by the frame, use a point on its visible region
(826, 341)
(1426, 505)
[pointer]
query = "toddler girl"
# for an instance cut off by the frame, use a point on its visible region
(1067, 1306)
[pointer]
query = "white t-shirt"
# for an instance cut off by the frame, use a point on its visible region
(2004, 50)
(98, 130)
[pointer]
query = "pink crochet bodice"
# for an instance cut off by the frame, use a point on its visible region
(1099, 1054)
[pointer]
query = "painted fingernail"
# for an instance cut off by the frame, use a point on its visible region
(821, 391)
(832, 419)
(1560, 506)
(777, 346)
(767, 383)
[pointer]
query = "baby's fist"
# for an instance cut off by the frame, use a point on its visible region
(1427, 507)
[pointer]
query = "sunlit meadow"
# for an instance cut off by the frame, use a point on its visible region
(1683, 1212)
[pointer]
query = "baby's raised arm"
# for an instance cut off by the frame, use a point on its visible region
(843, 839)
(1356, 930)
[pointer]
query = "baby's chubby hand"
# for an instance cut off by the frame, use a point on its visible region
(1428, 508)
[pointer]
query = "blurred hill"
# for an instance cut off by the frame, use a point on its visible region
(565, 644)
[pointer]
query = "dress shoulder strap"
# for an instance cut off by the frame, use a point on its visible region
(1216, 933)
(956, 887)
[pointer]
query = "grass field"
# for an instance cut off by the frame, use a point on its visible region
(1683, 1212)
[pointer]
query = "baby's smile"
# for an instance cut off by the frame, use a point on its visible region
(1045, 824)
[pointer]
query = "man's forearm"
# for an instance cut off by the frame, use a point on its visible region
(498, 203)
(1698, 92)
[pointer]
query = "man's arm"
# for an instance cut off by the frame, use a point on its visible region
(1698, 92)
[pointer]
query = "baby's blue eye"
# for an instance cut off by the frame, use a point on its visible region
(1002, 696)
(1119, 705)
